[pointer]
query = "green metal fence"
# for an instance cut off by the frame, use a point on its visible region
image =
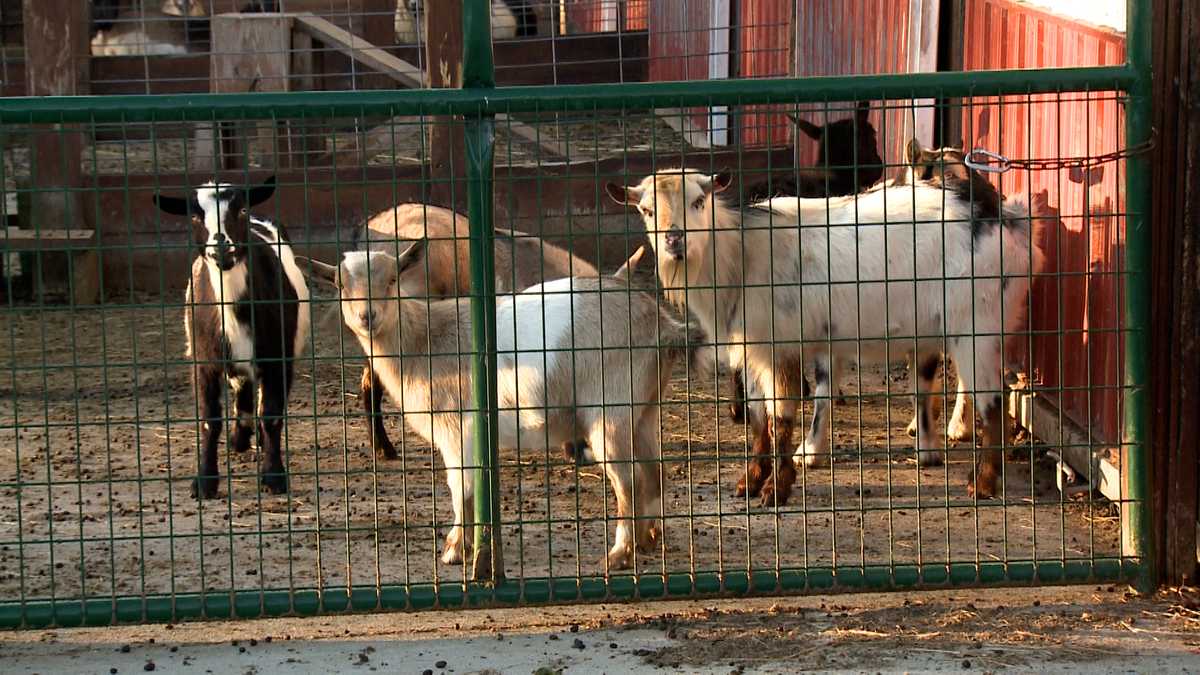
(97, 419)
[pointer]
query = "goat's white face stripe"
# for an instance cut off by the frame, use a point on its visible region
(215, 205)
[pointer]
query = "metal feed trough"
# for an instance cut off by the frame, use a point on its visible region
(104, 438)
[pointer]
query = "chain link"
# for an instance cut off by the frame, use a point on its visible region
(986, 161)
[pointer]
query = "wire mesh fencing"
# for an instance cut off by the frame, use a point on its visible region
(314, 351)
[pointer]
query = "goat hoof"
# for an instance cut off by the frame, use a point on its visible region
(653, 537)
(242, 436)
(737, 412)
(929, 458)
(958, 433)
(452, 555)
(982, 486)
(620, 558)
(205, 487)
(274, 483)
(769, 493)
(385, 450)
(745, 488)
(912, 429)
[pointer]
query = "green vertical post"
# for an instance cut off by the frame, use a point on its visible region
(479, 73)
(1137, 522)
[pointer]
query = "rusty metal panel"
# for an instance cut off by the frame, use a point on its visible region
(636, 14)
(1075, 315)
(679, 39)
(848, 37)
(763, 33)
(599, 16)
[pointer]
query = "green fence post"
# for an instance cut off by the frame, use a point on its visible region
(1137, 521)
(478, 72)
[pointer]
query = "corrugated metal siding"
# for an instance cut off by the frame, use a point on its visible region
(850, 37)
(764, 28)
(679, 40)
(636, 14)
(1080, 310)
(680, 37)
(587, 16)
(833, 37)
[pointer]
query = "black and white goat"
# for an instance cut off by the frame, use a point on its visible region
(246, 319)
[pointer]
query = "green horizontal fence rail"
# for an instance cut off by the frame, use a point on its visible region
(478, 102)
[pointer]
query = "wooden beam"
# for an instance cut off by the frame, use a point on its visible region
(406, 73)
(360, 50)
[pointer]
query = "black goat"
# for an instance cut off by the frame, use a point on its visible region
(245, 319)
(848, 161)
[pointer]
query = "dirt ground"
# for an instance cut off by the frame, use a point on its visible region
(98, 443)
(1095, 629)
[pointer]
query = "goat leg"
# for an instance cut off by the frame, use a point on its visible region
(759, 467)
(372, 401)
(737, 407)
(983, 482)
(208, 393)
(778, 491)
(272, 473)
(244, 429)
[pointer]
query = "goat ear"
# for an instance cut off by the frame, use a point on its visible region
(261, 193)
(913, 151)
(718, 182)
(864, 109)
(811, 130)
(411, 255)
(172, 205)
(630, 196)
(319, 270)
(625, 270)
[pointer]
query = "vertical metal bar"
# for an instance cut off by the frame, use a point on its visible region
(1137, 520)
(479, 72)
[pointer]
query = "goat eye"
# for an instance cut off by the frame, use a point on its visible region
(698, 204)
(244, 212)
(649, 213)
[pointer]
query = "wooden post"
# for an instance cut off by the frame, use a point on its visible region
(1175, 308)
(250, 53)
(444, 64)
(56, 64)
(951, 28)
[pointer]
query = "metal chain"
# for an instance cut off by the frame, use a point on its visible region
(991, 162)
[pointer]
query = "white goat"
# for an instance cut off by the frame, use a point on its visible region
(441, 269)
(869, 277)
(571, 364)
(410, 20)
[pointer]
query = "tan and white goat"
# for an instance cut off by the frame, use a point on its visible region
(570, 363)
(868, 277)
(442, 269)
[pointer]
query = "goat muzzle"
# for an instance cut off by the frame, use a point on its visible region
(674, 244)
